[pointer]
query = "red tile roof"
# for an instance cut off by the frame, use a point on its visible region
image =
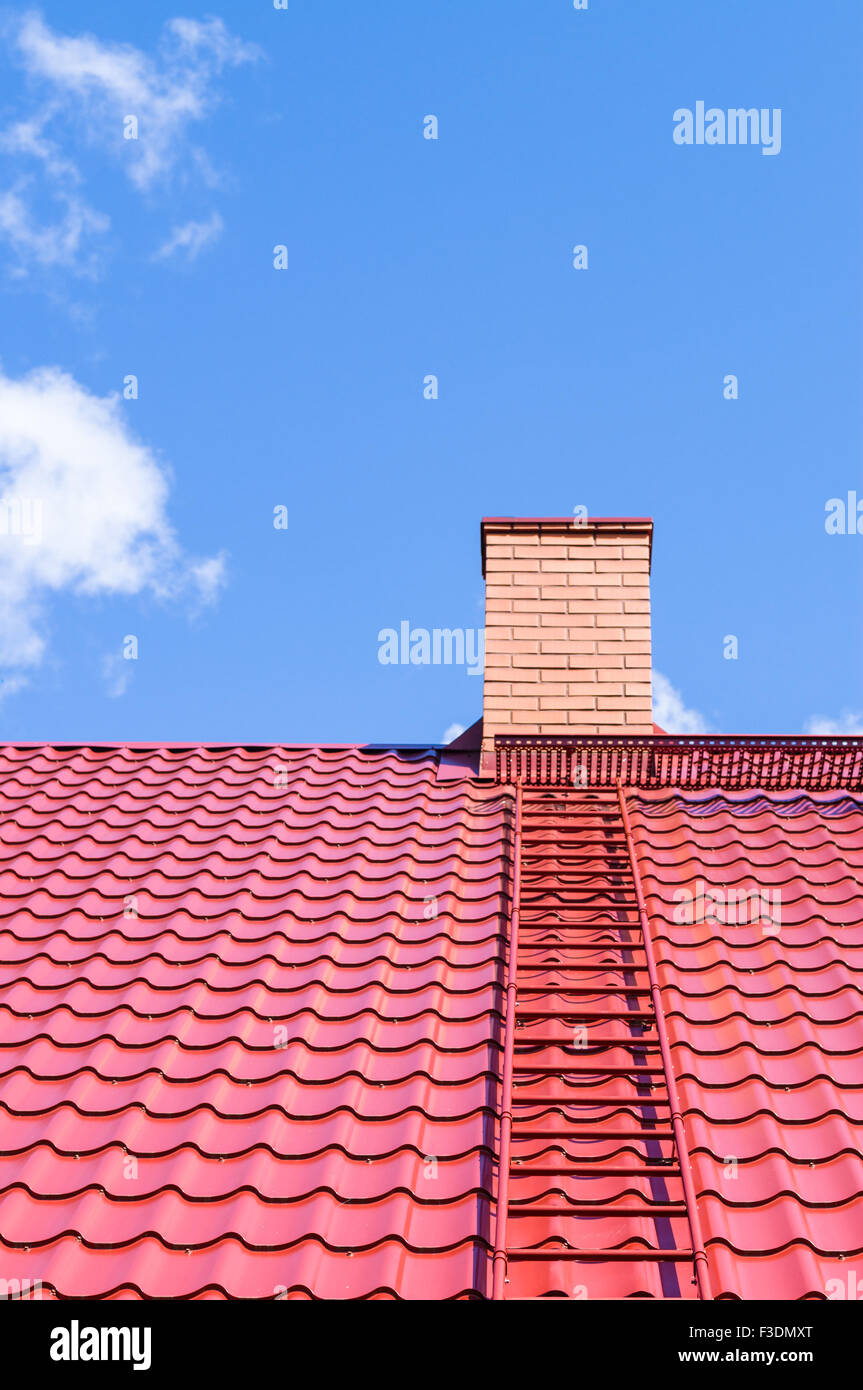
(250, 1024)
(766, 1026)
(249, 1020)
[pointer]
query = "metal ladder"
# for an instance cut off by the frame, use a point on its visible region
(593, 1167)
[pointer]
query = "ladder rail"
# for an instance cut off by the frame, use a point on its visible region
(702, 1272)
(499, 1262)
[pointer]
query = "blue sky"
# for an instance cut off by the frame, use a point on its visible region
(303, 387)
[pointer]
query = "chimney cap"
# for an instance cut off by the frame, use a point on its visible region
(638, 525)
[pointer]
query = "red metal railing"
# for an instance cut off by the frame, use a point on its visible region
(504, 1147)
(702, 1273)
(695, 762)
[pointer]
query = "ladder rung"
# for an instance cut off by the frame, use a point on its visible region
(591, 1100)
(663, 1134)
(597, 925)
(627, 1016)
(572, 899)
(580, 945)
(577, 989)
(585, 989)
(660, 1209)
(566, 863)
(602, 967)
(546, 1070)
(613, 864)
(569, 1254)
(599, 1170)
(581, 1014)
(628, 1044)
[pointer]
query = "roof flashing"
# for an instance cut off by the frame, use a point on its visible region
(691, 762)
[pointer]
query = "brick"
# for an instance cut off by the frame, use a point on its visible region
(569, 702)
(503, 644)
(586, 661)
(622, 702)
(514, 702)
(550, 645)
(544, 688)
(499, 570)
(533, 605)
(588, 606)
(547, 661)
(611, 720)
(604, 566)
(524, 716)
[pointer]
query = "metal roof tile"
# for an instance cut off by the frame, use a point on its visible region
(248, 1023)
(766, 1027)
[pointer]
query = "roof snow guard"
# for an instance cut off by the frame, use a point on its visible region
(736, 763)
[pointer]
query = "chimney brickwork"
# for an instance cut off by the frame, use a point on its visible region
(567, 647)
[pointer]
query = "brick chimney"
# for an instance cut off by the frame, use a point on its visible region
(567, 616)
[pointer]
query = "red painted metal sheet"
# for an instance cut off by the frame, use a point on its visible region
(249, 1021)
(685, 761)
(757, 920)
(165, 911)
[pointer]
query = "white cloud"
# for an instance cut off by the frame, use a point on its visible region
(88, 88)
(847, 725)
(106, 82)
(454, 731)
(209, 577)
(192, 237)
(671, 713)
(82, 510)
(67, 242)
(117, 674)
(10, 685)
(27, 138)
